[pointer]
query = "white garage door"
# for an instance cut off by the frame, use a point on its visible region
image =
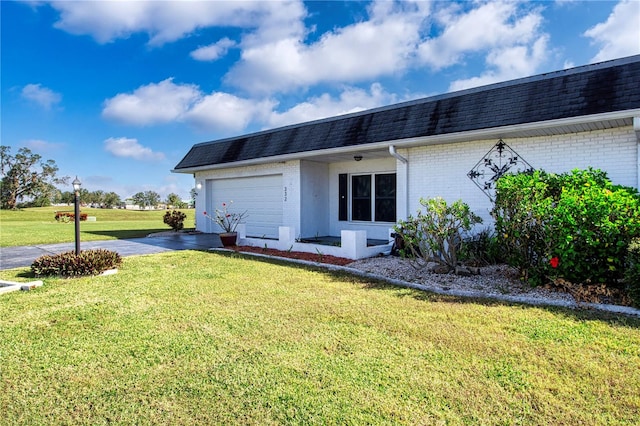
(260, 196)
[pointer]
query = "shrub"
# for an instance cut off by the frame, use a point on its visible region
(67, 264)
(437, 234)
(632, 273)
(482, 248)
(67, 217)
(576, 225)
(175, 219)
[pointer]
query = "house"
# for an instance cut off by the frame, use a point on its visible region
(355, 175)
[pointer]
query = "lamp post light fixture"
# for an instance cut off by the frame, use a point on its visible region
(76, 189)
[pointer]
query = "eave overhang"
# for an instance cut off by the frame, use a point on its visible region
(542, 128)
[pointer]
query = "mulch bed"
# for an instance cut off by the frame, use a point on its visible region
(312, 257)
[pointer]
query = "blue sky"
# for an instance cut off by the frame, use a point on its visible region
(117, 92)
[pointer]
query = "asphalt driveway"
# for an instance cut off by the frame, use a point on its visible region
(22, 256)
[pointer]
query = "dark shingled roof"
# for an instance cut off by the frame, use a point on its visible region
(593, 89)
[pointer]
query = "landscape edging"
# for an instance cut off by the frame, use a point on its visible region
(616, 309)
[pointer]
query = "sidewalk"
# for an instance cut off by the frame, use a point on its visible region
(23, 256)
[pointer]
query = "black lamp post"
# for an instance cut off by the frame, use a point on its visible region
(76, 189)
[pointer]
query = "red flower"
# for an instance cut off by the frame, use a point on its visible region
(224, 205)
(554, 261)
(228, 215)
(204, 213)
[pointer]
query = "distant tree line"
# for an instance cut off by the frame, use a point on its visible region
(28, 181)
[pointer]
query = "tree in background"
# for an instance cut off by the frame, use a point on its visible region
(146, 199)
(48, 195)
(111, 199)
(194, 194)
(96, 198)
(173, 200)
(25, 175)
(67, 197)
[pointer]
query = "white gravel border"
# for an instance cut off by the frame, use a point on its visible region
(380, 268)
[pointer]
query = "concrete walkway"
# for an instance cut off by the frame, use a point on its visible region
(23, 256)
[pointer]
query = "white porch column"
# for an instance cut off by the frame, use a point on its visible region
(354, 244)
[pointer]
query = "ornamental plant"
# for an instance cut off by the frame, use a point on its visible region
(66, 217)
(576, 226)
(68, 264)
(227, 220)
(436, 235)
(175, 219)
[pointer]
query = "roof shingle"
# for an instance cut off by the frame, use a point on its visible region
(593, 89)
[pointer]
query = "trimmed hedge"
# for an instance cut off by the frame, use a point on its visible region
(69, 216)
(67, 264)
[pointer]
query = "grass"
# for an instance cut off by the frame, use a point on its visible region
(37, 225)
(201, 338)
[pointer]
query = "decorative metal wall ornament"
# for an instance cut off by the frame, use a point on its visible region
(499, 160)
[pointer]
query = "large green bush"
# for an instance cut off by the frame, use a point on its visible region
(67, 264)
(632, 272)
(576, 225)
(437, 233)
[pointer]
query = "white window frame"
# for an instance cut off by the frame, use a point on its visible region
(372, 175)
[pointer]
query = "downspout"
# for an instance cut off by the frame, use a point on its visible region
(392, 151)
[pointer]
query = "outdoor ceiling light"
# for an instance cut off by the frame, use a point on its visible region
(357, 157)
(199, 185)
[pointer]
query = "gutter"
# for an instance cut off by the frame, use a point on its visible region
(403, 160)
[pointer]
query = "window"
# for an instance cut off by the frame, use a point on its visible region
(373, 197)
(385, 203)
(361, 197)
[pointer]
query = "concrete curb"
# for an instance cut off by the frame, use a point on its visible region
(615, 309)
(8, 286)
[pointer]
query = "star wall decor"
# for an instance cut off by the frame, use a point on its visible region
(499, 160)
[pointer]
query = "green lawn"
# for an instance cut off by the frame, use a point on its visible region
(37, 225)
(201, 338)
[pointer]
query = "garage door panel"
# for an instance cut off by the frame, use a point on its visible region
(259, 196)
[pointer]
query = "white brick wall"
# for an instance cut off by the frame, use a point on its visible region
(441, 170)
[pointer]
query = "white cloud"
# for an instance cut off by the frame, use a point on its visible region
(39, 145)
(619, 35)
(213, 51)
(489, 26)
(163, 21)
(167, 101)
(225, 112)
(42, 96)
(154, 103)
(350, 100)
(384, 44)
(275, 52)
(130, 148)
(507, 64)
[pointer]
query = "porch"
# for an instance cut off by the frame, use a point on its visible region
(351, 244)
